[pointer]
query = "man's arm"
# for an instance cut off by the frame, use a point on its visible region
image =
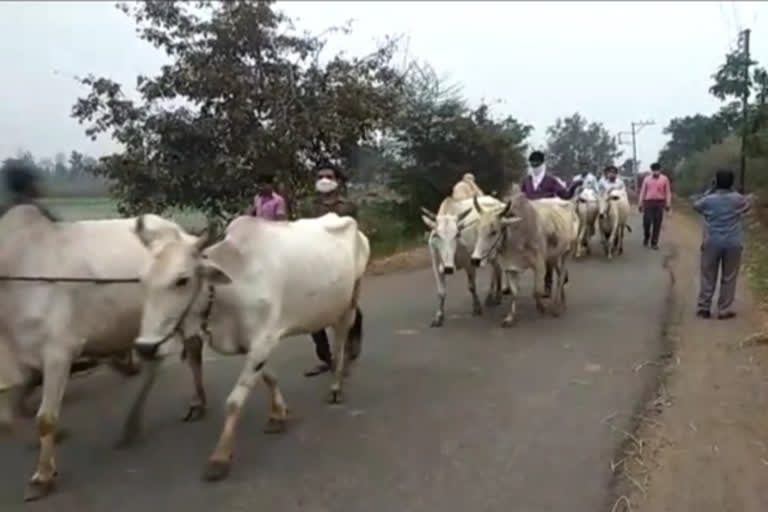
(699, 202)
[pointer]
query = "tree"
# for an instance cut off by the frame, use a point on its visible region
(572, 141)
(694, 133)
(438, 138)
(244, 94)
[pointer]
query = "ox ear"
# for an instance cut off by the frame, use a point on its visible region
(508, 221)
(213, 273)
(428, 221)
(463, 215)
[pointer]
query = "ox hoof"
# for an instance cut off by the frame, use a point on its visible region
(508, 322)
(196, 412)
(506, 291)
(540, 307)
(335, 396)
(37, 489)
(216, 470)
(477, 310)
(275, 426)
(437, 322)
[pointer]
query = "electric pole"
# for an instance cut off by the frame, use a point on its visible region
(636, 127)
(745, 111)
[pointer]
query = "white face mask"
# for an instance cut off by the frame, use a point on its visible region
(326, 185)
(538, 170)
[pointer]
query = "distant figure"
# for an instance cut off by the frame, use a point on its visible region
(721, 247)
(466, 188)
(268, 204)
(22, 184)
(610, 180)
(655, 197)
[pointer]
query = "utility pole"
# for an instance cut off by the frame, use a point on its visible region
(636, 127)
(745, 111)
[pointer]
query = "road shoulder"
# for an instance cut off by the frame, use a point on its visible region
(701, 443)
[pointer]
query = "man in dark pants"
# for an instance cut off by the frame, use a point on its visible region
(655, 197)
(723, 210)
(329, 186)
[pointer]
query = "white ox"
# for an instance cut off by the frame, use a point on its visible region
(453, 234)
(47, 323)
(587, 208)
(265, 281)
(529, 235)
(613, 215)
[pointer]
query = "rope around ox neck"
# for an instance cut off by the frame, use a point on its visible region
(92, 280)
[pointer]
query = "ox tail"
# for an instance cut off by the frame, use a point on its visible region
(355, 337)
(629, 228)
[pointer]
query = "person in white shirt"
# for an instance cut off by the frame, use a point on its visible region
(611, 181)
(588, 181)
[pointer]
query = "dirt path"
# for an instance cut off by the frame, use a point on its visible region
(702, 442)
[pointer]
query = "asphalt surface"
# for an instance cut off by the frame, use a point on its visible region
(467, 417)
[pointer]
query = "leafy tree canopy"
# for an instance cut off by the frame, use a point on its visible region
(573, 142)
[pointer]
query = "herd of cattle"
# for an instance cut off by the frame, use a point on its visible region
(102, 288)
(516, 234)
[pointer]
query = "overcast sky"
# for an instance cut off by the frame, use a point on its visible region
(614, 62)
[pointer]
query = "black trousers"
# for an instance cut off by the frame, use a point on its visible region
(653, 215)
(322, 347)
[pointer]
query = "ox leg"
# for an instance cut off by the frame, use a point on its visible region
(55, 378)
(511, 317)
(349, 327)
(621, 240)
(477, 308)
(539, 289)
(278, 410)
(194, 355)
(557, 296)
(437, 321)
(125, 364)
(221, 459)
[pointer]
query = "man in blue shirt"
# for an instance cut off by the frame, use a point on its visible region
(723, 210)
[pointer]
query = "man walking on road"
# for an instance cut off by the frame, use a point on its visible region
(723, 210)
(655, 197)
(328, 199)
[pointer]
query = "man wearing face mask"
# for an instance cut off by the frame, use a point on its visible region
(539, 184)
(329, 198)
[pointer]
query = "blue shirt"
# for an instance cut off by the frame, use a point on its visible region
(722, 211)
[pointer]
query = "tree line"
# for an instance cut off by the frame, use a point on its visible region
(63, 176)
(245, 93)
(700, 144)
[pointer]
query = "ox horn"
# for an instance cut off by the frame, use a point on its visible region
(464, 214)
(428, 213)
(507, 207)
(476, 204)
(207, 236)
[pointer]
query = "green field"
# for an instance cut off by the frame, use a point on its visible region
(82, 208)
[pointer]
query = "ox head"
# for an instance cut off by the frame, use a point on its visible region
(175, 292)
(604, 203)
(444, 238)
(490, 230)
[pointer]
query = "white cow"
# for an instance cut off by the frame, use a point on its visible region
(613, 216)
(529, 235)
(587, 208)
(47, 323)
(452, 236)
(265, 281)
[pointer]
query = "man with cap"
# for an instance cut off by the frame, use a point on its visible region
(539, 184)
(329, 187)
(268, 204)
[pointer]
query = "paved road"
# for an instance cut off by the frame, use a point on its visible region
(469, 417)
